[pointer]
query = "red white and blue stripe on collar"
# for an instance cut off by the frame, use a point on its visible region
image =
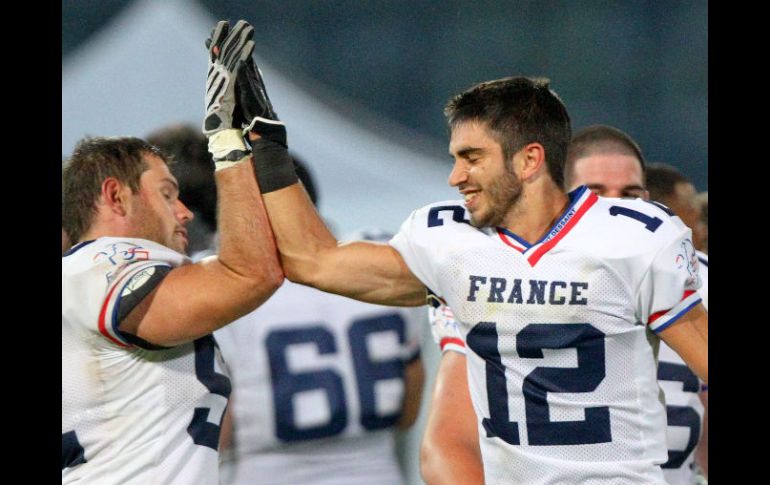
(581, 199)
(664, 319)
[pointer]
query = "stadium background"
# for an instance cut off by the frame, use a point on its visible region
(361, 85)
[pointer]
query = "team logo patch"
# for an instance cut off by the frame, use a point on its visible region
(117, 254)
(687, 259)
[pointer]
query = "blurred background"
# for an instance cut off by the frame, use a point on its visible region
(361, 84)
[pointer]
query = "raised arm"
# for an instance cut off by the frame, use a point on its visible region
(194, 300)
(309, 253)
(367, 271)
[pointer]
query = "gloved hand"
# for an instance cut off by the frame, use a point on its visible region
(257, 109)
(228, 52)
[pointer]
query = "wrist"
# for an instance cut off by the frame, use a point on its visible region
(273, 165)
(228, 145)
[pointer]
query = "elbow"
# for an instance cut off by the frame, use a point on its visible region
(270, 282)
(261, 286)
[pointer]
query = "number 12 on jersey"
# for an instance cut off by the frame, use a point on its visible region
(586, 377)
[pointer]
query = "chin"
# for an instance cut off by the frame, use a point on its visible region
(178, 246)
(479, 220)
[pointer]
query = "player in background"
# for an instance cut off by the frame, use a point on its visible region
(668, 185)
(143, 386)
(686, 397)
(565, 385)
(610, 162)
(320, 382)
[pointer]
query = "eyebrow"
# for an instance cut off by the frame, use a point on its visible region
(172, 182)
(633, 187)
(465, 152)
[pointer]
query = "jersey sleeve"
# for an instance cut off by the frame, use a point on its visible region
(412, 243)
(444, 327)
(703, 272)
(132, 270)
(669, 288)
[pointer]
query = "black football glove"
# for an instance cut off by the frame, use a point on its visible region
(258, 112)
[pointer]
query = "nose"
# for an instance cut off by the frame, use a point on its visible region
(459, 174)
(183, 214)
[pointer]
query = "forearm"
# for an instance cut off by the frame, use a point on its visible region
(450, 451)
(302, 238)
(309, 253)
(247, 246)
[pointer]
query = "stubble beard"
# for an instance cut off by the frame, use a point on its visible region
(502, 194)
(149, 226)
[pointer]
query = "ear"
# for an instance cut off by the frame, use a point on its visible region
(533, 160)
(115, 196)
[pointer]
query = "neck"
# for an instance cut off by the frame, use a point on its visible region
(536, 211)
(106, 229)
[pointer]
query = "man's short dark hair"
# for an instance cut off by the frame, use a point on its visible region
(93, 161)
(517, 110)
(600, 139)
(661, 181)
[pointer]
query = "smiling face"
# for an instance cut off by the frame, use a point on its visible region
(481, 173)
(156, 212)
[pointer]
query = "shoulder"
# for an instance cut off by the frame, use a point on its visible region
(110, 257)
(637, 223)
(121, 251)
(438, 218)
(445, 212)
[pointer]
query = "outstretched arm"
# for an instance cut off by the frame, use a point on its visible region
(367, 271)
(310, 255)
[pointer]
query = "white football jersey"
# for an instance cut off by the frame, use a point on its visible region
(132, 415)
(560, 369)
(318, 383)
(684, 408)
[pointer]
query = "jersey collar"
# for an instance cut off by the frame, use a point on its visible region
(76, 247)
(581, 199)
